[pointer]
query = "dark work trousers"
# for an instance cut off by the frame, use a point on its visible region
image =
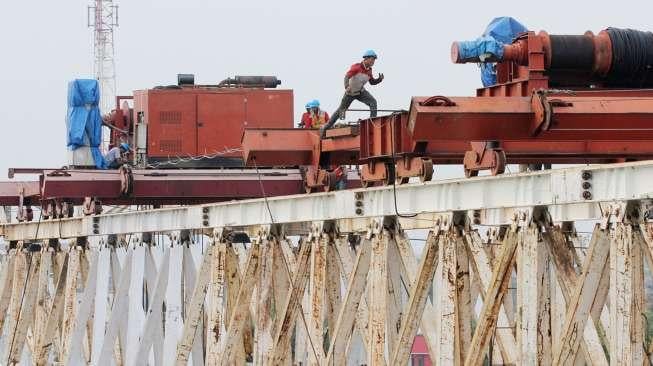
(364, 97)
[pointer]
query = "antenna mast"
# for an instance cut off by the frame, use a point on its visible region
(103, 18)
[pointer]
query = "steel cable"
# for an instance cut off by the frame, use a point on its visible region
(394, 179)
(632, 58)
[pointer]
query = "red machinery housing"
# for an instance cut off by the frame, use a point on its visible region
(203, 123)
(558, 99)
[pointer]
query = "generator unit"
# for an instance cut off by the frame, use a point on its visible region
(199, 126)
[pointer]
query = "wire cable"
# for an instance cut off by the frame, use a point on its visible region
(265, 196)
(179, 160)
(632, 58)
(394, 178)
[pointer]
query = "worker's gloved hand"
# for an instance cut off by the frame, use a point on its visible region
(380, 78)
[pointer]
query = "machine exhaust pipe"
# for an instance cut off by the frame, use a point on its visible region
(251, 81)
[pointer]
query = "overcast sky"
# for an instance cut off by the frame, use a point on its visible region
(308, 45)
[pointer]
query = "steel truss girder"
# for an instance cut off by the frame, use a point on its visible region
(570, 194)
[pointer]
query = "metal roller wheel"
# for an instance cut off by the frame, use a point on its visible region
(331, 182)
(68, 209)
(500, 167)
(96, 207)
(427, 170)
(307, 189)
(470, 173)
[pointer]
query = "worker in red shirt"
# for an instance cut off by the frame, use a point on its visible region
(355, 79)
(314, 116)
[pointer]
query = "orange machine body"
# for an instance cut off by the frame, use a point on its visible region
(197, 121)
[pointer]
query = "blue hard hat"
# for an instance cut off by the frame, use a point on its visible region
(370, 53)
(124, 146)
(308, 105)
(314, 103)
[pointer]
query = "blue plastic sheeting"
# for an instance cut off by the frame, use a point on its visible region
(479, 47)
(84, 121)
(504, 29)
(500, 31)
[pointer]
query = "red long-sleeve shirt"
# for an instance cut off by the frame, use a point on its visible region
(359, 68)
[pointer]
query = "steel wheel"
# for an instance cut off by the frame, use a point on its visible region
(391, 174)
(307, 189)
(500, 167)
(470, 173)
(331, 182)
(427, 170)
(402, 180)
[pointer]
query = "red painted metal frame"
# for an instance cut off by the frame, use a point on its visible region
(171, 186)
(515, 79)
(585, 127)
(10, 192)
(385, 137)
(299, 147)
(515, 118)
(153, 186)
(303, 147)
(585, 124)
(280, 147)
(556, 152)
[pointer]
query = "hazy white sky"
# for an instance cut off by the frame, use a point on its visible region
(308, 45)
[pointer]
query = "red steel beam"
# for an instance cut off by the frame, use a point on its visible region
(559, 152)
(300, 147)
(178, 186)
(280, 147)
(514, 118)
(619, 93)
(152, 186)
(342, 145)
(11, 191)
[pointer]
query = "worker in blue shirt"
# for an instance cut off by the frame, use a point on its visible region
(114, 158)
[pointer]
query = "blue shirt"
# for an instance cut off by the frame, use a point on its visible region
(112, 155)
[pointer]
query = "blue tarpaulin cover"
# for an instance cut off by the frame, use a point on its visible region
(500, 31)
(479, 47)
(504, 29)
(84, 120)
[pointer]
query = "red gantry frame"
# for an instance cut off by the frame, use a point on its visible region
(536, 113)
(521, 119)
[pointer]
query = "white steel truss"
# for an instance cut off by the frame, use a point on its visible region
(180, 286)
